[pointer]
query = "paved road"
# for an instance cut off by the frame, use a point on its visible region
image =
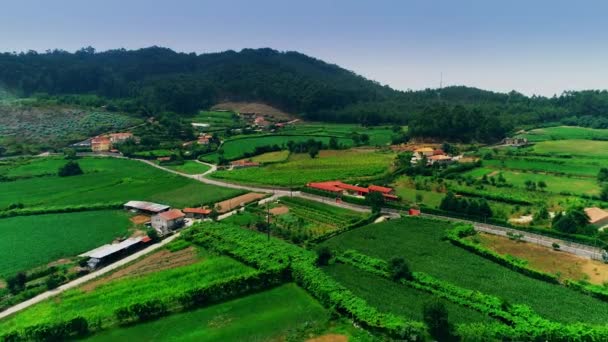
(566, 246)
(77, 282)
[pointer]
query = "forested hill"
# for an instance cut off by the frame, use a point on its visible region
(153, 80)
(159, 79)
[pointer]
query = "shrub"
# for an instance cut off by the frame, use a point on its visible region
(399, 269)
(324, 254)
(435, 315)
(71, 168)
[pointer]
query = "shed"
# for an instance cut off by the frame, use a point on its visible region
(146, 207)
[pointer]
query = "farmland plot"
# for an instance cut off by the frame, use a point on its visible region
(350, 165)
(419, 241)
(106, 180)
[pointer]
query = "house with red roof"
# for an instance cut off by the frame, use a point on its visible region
(101, 144)
(197, 213)
(339, 188)
(167, 221)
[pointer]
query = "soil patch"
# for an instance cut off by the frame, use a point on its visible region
(159, 261)
(140, 219)
(280, 210)
(329, 338)
(2, 284)
(228, 205)
(548, 260)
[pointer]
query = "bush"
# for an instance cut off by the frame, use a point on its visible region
(71, 168)
(324, 254)
(399, 269)
(435, 315)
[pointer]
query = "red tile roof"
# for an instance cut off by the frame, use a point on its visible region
(172, 214)
(381, 189)
(438, 152)
(100, 140)
(146, 239)
(353, 188)
(326, 186)
(201, 211)
(390, 197)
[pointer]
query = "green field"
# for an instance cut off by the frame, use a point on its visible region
(564, 133)
(556, 184)
(584, 148)
(101, 303)
(378, 136)
(399, 299)
(190, 167)
(582, 167)
(266, 316)
(237, 147)
(300, 169)
(106, 180)
(30, 241)
(272, 157)
(215, 119)
(420, 242)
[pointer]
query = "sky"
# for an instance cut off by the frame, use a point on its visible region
(535, 47)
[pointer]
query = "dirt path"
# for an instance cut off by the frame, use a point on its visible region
(280, 210)
(329, 338)
(235, 202)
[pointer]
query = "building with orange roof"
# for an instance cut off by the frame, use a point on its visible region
(198, 213)
(339, 188)
(597, 217)
(101, 144)
(167, 221)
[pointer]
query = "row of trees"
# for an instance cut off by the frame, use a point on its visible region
(472, 207)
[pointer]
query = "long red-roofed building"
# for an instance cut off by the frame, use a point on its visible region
(338, 187)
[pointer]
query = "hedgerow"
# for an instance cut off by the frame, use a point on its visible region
(60, 209)
(255, 249)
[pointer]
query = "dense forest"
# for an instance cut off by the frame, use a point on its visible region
(154, 80)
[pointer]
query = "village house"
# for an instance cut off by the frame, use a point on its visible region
(515, 141)
(167, 221)
(240, 164)
(117, 138)
(340, 188)
(101, 144)
(204, 139)
(597, 217)
(144, 207)
(197, 213)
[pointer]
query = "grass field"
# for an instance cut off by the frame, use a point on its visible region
(348, 165)
(190, 167)
(585, 148)
(272, 157)
(388, 296)
(420, 242)
(101, 303)
(237, 147)
(582, 167)
(106, 180)
(380, 135)
(215, 119)
(30, 241)
(267, 316)
(556, 184)
(564, 133)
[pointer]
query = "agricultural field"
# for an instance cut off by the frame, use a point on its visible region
(395, 298)
(217, 120)
(555, 184)
(30, 241)
(104, 180)
(271, 157)
(55, 126)
(189, 167)
(565, 133)
(378, 135)
(580, 167)
(546, 259)
(583, 148)
(236, 148)
(313, 217)
(420, 242)
(285, 310)
(100, 303)
(299, 169)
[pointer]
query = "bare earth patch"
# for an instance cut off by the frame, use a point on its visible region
(2, 284)
(329, 338)
(548, 260)
(279, 210)
(159, 261)
(228, 205)
(140, 219)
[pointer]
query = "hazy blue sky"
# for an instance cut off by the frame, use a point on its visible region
(540, 47)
